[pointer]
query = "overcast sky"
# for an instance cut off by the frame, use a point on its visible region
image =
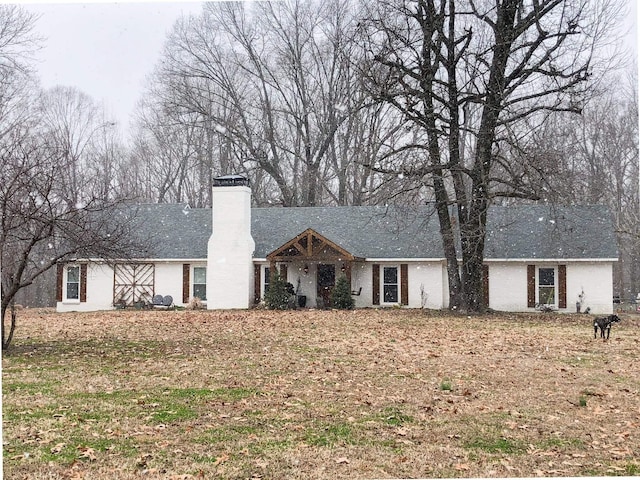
(107, 49)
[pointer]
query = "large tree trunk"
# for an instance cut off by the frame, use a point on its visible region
(8, 337)
(473, 231)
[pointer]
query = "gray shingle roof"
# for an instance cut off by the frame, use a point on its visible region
(519, 232)
(371, 232)
(540, 231)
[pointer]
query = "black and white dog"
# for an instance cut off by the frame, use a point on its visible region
(604, 324)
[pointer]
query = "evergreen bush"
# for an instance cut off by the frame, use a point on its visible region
(341, 295)
(277, 296)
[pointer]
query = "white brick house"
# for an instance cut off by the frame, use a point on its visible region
(392, 256)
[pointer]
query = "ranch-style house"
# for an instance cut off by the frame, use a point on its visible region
(536, 256)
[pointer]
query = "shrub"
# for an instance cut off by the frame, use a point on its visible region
(195, 304)
(341, 295)
(277, 296)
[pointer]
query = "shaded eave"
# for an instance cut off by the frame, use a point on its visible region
(310, 246)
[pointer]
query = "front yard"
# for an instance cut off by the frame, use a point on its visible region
(318, 394)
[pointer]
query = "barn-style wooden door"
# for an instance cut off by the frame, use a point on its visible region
(133, 283)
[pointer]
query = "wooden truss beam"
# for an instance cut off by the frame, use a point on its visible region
(310, 245)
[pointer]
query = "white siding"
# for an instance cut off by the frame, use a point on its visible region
(168, 280)
(596, 279)
(424, 277)
(361, 277)
(508, 285)
(99, 291)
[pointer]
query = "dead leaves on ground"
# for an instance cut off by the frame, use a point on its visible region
(515, 377)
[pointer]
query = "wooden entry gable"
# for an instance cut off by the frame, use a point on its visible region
(310, 245)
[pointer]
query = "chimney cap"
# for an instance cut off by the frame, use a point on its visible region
(231, 181)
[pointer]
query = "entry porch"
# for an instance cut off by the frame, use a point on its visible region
(311, 263)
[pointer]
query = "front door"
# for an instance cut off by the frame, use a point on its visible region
(325, 282)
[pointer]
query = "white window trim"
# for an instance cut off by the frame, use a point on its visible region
(263, 273)
(398, 283)
(555, 285)
(65, 282)
(193, 283)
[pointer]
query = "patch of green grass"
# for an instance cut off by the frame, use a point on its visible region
(632, 469)
(10, 414)
(330, 435)
(234, 394)
(174, 412)
(30, 388)
(394, 416)
(190, 393)
(446, 385)
(204, 458)
(91, 414)
(559, 443)
(261, 447)
(227, 433)
(80, 413)
(216, 435)
(496, 445)
(117, 395)
(70, 451)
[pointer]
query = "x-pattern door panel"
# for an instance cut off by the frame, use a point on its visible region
(133, 283)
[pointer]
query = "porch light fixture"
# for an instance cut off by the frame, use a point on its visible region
(306, 269)
(343, 268)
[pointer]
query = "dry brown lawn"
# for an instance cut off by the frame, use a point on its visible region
(318, 394)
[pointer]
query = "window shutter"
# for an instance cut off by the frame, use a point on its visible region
(283, 272)
(404, 284)
(376, 283)
(485, 284)
(186, 268)
(531, 286)
(562, 286)
(83, 282)
(59, 278)
(257, 281)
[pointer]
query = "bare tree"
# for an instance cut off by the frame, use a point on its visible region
(50, 205)
(41, 227)
(471, 76)
(275, 92)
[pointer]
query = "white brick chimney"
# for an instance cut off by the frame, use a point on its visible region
(230, 248)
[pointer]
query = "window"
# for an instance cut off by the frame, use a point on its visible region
(73, 282)
(267, 279)
(390, 285)
(200, 283)
(547, 286)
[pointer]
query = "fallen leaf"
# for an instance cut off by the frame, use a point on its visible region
(57, 448)
(342, 460)
(87, 453)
